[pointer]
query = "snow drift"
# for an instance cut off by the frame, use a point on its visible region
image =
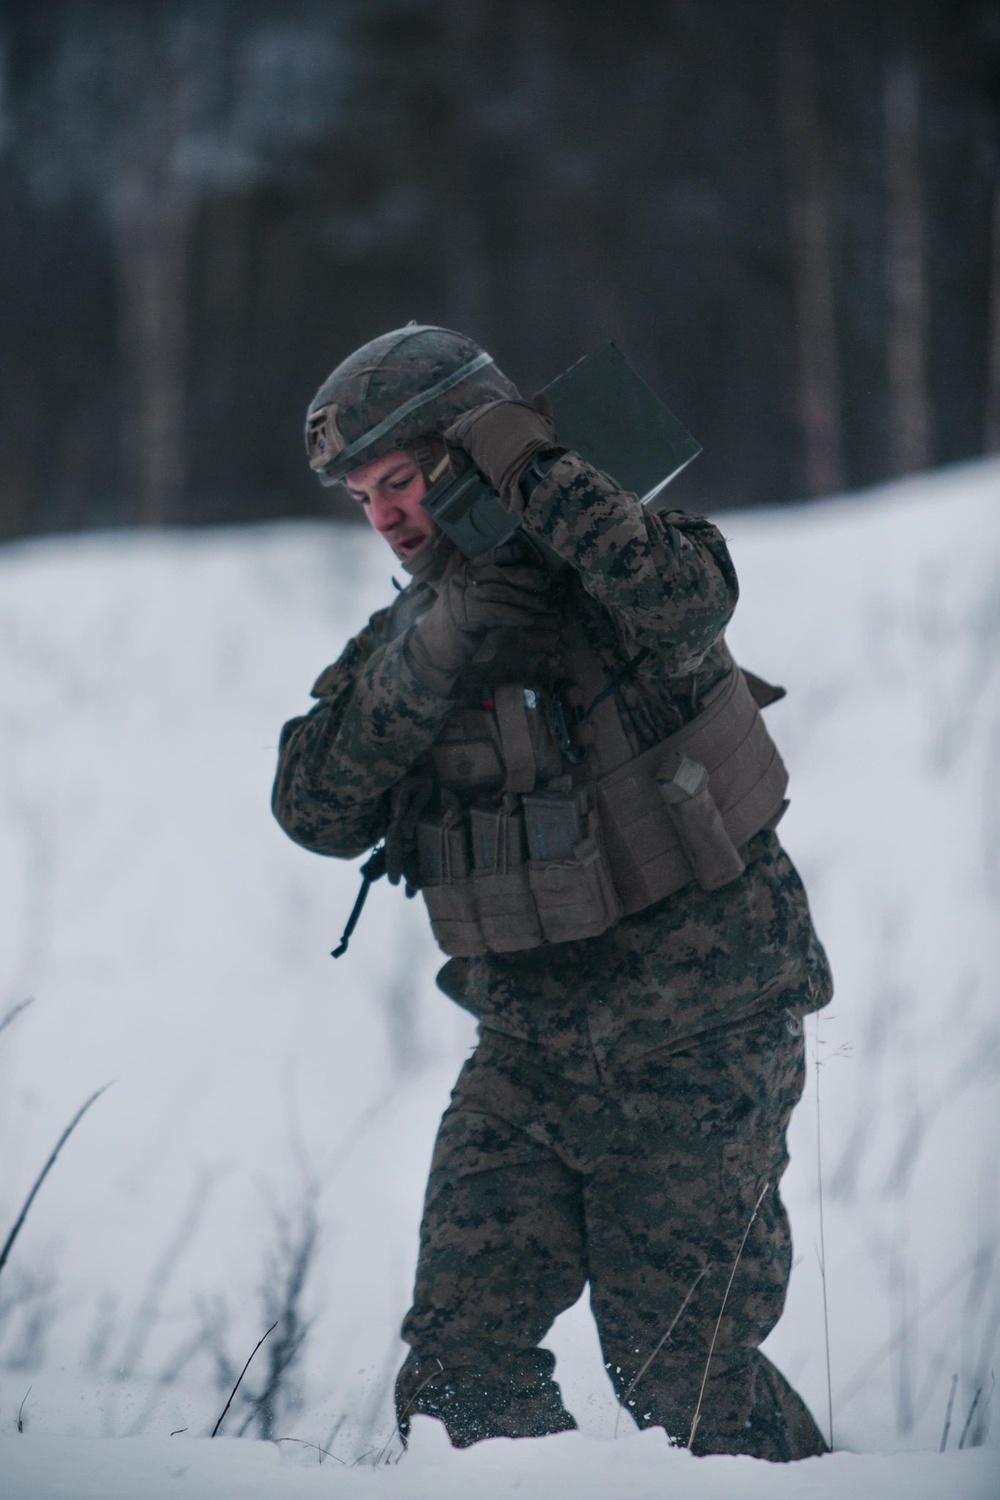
(262, 1151)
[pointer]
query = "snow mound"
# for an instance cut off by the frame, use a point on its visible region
(274, 1110)
(641, 1467)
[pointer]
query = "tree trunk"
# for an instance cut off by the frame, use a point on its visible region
(465, 253)
(164, 67)
(906, 269)
(152, 263)
(991, 426)
(819, 393)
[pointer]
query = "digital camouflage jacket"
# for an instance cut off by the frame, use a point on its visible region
(694, 961)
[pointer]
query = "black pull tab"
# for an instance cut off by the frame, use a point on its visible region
(566, 746)
(373, 869)
(616, 682)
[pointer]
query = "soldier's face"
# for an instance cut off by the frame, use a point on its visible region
(390, 490)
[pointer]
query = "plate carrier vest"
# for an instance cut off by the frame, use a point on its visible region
(533, 849)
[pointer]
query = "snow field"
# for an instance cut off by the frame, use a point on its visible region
(176, 942)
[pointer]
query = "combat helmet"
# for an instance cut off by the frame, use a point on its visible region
(394, 391)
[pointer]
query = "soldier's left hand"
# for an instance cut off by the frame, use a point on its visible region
(501, 438)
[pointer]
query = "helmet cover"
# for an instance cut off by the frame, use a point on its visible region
(395, 390)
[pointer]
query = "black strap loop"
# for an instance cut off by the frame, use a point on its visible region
(616, 682)
(373, 869)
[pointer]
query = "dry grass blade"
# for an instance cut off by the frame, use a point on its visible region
(822, 1246)
(60, 1143)
(245, 1368)
(15, 1011)
(676, 1319)
(968, 1420)
(406, 1412)
(718, 1322)
(882, 1353)
(323, 1452)
(947, 1415)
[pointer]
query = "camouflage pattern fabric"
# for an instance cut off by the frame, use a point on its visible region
(636, 1177)
(698, 959)
(383, 376)
(637, 579)
(630, 1093)
(707, 959)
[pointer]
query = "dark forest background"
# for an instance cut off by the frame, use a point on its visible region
(786, 214)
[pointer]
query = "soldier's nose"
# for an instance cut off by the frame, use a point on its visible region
(383, 513)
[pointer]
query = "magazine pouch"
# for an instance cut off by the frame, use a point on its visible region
(446, 884)
(567, 868)
(683, 785)
(508, 919)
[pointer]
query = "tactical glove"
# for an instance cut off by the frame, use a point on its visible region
(478, 597)
(501, 438)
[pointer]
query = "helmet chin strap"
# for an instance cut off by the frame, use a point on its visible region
(431, 455)
(428, 563)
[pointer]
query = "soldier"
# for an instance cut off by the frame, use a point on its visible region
(567, 763)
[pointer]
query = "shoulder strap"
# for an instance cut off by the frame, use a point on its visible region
(611, 746)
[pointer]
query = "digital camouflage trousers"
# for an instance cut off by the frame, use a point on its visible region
(645, 1185)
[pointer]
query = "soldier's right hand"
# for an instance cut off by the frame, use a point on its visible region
(478, 596)
(483, 596)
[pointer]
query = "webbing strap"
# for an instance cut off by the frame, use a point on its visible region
(515, 737)
(612, 746)
(624, 675)
(447, 383)
(373, 869)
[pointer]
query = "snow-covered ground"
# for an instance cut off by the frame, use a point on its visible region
(272, 1112)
